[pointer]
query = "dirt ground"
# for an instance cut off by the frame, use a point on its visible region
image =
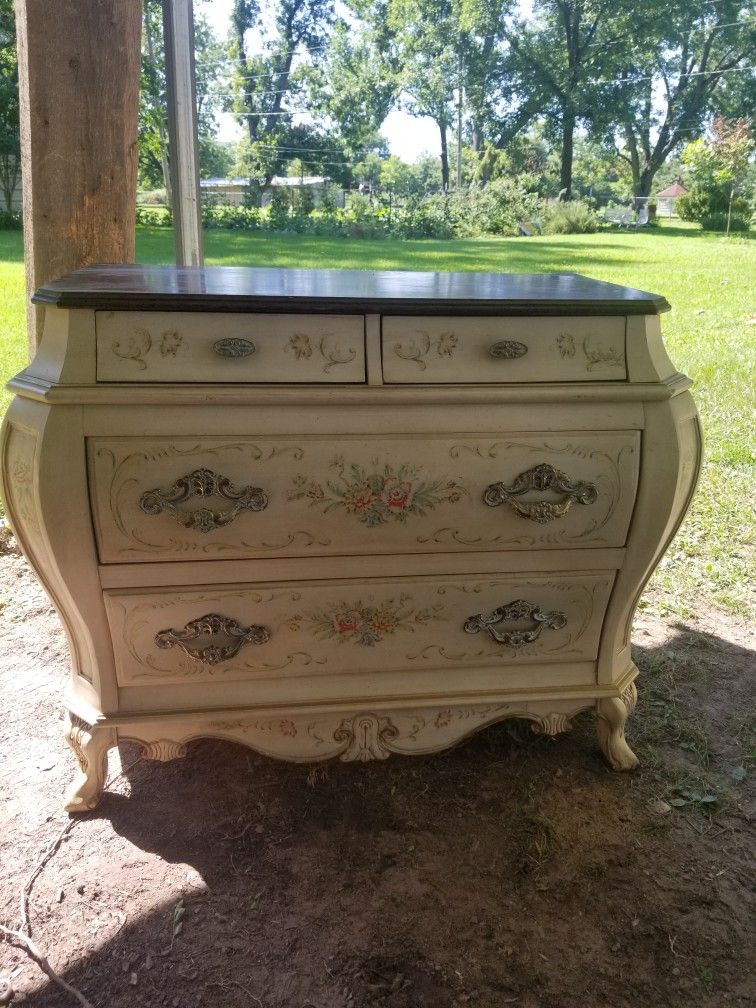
(513, 870)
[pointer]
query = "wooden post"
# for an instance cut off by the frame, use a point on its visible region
(79, 90)
(178, 32)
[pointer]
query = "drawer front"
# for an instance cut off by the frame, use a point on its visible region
(196, 347)
(376, 626)
(500, 350)
(185, 499)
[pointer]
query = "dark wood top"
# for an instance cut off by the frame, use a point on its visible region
(267, 289)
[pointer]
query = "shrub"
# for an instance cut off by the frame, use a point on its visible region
(718, 222)
(700, 204)
(362, 219)
(278, 210)
(10, 221)
(572, 217)
(234, 218)
(423, 218)
(154, 216)
(496, 208)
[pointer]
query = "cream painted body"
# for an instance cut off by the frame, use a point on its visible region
(353, 528)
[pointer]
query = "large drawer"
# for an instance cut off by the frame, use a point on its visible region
(196, 347)
(186, 498)
(419, 350)
(342, 627)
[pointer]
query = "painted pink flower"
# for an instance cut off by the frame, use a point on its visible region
(397, 494)
(347, 622)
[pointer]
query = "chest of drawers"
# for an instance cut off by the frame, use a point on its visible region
(344, 514)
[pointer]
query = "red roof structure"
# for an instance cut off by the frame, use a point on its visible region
(674, 190)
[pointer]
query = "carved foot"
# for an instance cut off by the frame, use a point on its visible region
(613, 712)
(90, 747)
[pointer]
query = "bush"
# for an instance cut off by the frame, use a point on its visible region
(278, 210)
(234, 218)
(10, 221)
(497, 208)
(362, 219)
(423, 218)
(154, 216)
(718, 222)
(572, 217)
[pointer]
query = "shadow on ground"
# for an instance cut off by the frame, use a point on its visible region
(514, 870)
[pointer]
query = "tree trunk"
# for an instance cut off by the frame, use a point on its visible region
(78, 79)
(444, 157)
(565, 171)
(645, 181)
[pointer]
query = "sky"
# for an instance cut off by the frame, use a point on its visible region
(408, 136)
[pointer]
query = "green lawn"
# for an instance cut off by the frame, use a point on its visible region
(709, 281)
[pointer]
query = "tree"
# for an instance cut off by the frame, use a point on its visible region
(666, 98)
(265, 85)
(354, 85)
(563, 61)
(10, 144)
(716, 171)
(154, 168)
(425, 36)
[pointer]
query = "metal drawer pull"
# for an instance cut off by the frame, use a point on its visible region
(507, 349)
(203, 483)
(212, 625)
(517, 610)
(234, 346)
(540, 478)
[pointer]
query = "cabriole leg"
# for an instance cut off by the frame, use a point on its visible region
(613, 712)
(90, 746)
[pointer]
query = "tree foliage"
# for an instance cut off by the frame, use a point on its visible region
(666, 93)
(10, 146)
(717, 171)
(267, 90)
(561, 60)
(154, 168)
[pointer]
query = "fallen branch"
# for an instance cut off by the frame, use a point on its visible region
(20, 937)
(23, 941)
(25, 925)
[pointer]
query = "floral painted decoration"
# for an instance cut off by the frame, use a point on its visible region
(380, 495)
(566, 344)
(364, 624)
(300, 345)
(170, 343)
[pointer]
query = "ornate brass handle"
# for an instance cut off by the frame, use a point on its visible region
(517, 610)
(540, 478)
(234, 346)
(203, 483)
(210, 625)
(507, 349)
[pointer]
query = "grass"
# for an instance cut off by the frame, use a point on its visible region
(707, 279)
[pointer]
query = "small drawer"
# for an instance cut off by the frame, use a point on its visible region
(322, 629)
(418, 350)
(233, 498)
(196, 347)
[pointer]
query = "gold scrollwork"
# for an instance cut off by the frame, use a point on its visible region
(211, 625)
(541, 478)
(203, 483)
(517, 611)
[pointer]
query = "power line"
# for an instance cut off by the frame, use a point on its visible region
(712, 28)
(591, 80)
(243, 61)
(693, 73)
